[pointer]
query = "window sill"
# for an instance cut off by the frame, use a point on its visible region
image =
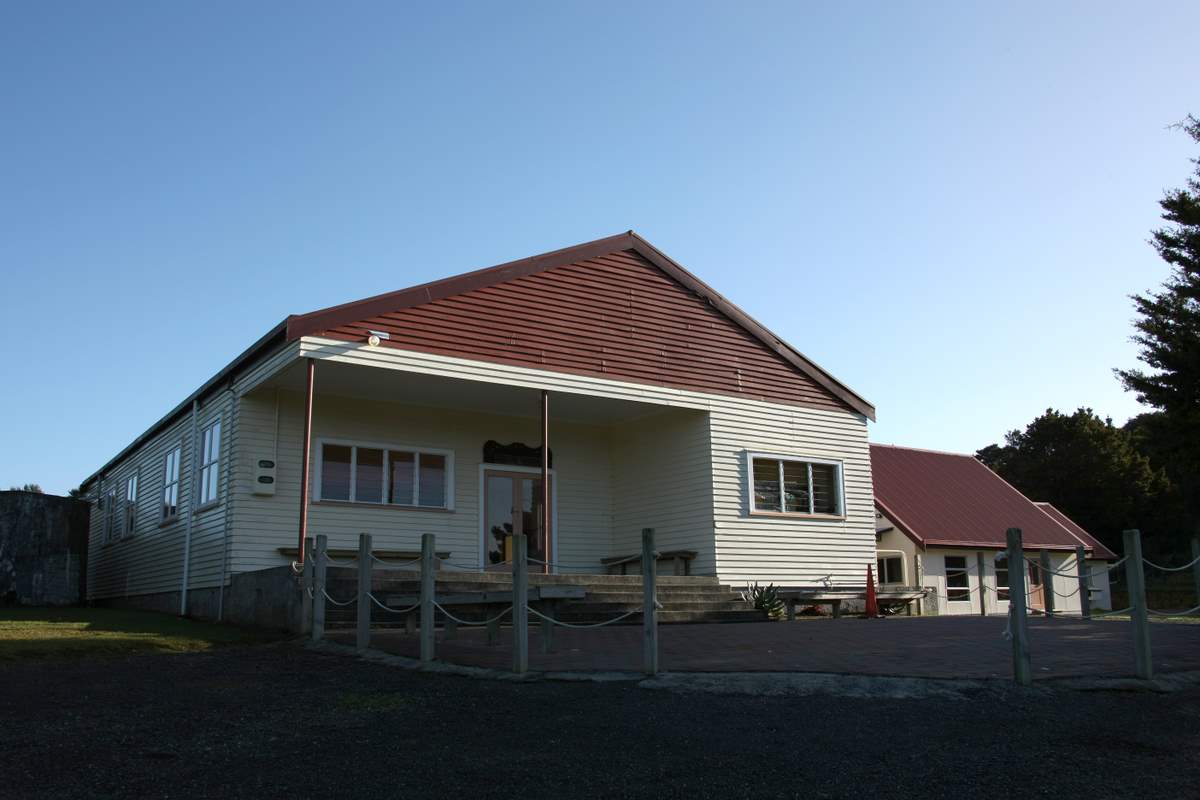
(168, 522)
(797, 515)
(388, 506)
(211, 504)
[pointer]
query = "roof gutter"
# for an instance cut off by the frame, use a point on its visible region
(273, 336)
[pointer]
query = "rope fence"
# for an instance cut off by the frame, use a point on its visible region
(430, 604)
(1161, 568)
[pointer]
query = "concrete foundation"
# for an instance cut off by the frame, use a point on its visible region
(267, 598)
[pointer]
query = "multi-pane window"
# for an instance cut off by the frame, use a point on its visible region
(108, 502)
(1001, 576)
(210, 463)
(129, 507)
(170, 493)
(958, 585)
(891, 569)
(793, 486)
(384, 475)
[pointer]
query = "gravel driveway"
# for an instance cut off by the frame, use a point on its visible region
(280, 720)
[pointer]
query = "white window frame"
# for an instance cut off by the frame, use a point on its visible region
(163, 517)
(889, 554)
(129, 504)
(386, 448)
(209, 458)
(808, 461)
(966, 571)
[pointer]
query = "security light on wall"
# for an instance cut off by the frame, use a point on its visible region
(376, 337)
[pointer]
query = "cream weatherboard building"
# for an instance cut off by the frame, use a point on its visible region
(424, 411)
(941, 525)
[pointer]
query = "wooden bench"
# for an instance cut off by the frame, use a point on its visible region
(680, 562)
(820, 596)
(383, 555)
(547, 596)
(817, 597)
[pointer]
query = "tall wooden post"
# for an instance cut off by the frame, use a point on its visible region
(649, 603)
(1018, 622)
(982, 591)
(546, 556)
(363, 638)
(1085, 582)
(919, 571)
(427, 587)
(1135, 579)
(307, 593)
(520, 602)
(306, 452)
(318, 626)
(1196, 568)
(1047, 583)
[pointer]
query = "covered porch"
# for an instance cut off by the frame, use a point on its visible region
(399, 454)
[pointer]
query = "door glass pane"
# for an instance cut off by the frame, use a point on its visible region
(498, 517)
(400, 480)
(335, 472)
(368, 477)
(531, 516)
(433, 480)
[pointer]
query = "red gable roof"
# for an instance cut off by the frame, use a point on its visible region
(950, 499)
(616, 307)
(1091, 542)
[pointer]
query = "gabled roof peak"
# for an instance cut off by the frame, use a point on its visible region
(325, 319)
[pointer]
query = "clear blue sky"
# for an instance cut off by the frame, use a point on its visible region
(944, 206)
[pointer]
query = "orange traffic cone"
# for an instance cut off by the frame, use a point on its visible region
(872, 601)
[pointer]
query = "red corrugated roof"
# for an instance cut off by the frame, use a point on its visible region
(950, 499)
(1098, 550)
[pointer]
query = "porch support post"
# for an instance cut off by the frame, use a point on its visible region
(649, 603)
(1085, 583)
(520, 603)
(1018, 624)
(546, 481)
(362, 639)
(306, 450)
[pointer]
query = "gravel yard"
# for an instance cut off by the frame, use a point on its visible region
(273, 720)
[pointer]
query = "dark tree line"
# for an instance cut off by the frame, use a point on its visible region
(1145, 474)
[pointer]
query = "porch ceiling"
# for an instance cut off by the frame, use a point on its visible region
(408, 388)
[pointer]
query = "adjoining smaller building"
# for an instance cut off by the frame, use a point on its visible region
(941, 522)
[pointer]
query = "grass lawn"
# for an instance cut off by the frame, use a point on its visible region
(38, 633)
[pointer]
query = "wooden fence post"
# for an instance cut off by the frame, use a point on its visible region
(1018, 623)
(322, 565)
(520, 603)
(1085, 583)
(427, 598)
(1047, 583)
(1196, 568)
(649, 603)
(307, 576)
(982, 591)
(363, 639)
(1135, 579)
